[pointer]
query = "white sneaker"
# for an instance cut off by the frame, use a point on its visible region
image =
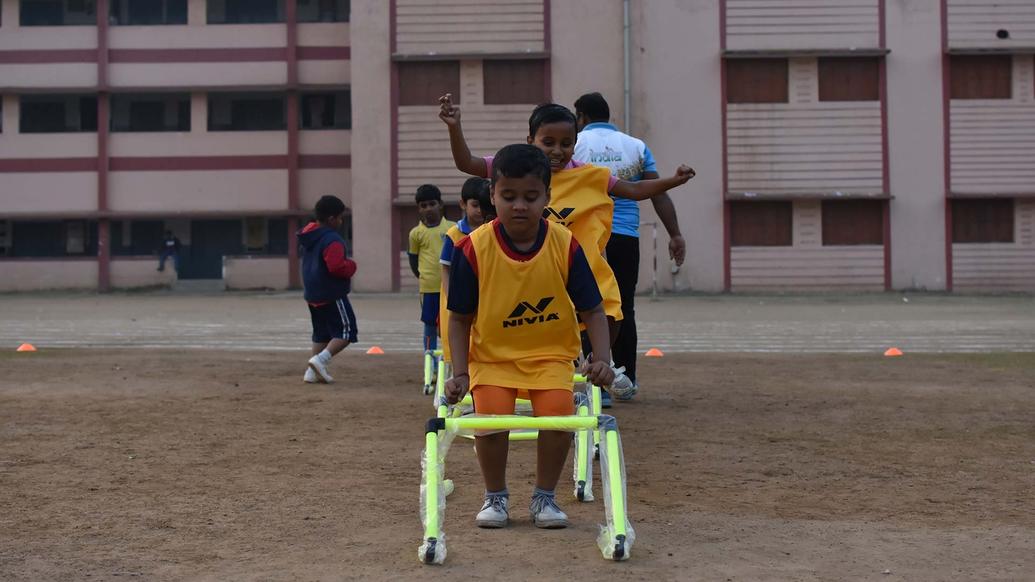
(317, 366)
(494, 512)
(546, 514)
(310, 377)
(622, 388)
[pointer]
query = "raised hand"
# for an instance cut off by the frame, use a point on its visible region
(684, 174)
(448, 113)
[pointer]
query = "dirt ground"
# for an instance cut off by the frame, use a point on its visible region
(209, 465)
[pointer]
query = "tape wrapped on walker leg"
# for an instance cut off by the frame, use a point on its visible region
(616, 538)
(433, 492)
(582, 467)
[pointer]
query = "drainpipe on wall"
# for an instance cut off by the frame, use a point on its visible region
(626, 57)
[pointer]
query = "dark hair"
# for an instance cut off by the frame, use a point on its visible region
(427, 192)
(520, 160)
(328, 207)
(593, 106)
(549, 113)
(485, 202)
(471, 188)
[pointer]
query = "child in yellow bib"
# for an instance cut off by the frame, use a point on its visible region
(515, 288)
(474, 201)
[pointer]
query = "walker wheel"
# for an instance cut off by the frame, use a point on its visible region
(429, 554)
(619, 548)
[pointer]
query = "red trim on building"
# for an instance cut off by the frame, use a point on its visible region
(48, 56)
(324, 161)
(179, 55)
(202, 163)
(44, 165)
(547, 43)
(885, 163)
(722, 24)
(150, 214)
(882, 23)
(392, 13)
(947, 141)
(324, 53)
(199, 55)
(547, 29)
(103, 110)
(727, 277)
(170, 164)
(887, 245)
(396, 220)
(293, 186)
(726, 255)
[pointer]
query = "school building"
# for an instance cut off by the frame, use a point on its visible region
(839, 144)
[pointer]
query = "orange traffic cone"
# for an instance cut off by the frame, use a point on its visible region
(26, 348)
(376, 351)
(893, 353)
(654, 353)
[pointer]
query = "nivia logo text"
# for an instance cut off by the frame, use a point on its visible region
(527, 314)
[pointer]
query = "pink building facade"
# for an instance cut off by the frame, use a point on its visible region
(839, 144)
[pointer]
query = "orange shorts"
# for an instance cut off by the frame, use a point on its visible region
(499, 400)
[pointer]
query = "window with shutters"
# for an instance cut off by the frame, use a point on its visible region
(983, 221)
(853, 222)
(756, 81)
(423, 82)
(761, 224)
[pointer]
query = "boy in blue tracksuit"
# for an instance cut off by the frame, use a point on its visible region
(326, 275)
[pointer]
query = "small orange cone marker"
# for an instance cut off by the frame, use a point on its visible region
(26, 348)
(376, 351)
(893, 353)
(654, 353)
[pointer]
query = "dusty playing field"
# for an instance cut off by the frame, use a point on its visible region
(144, 464)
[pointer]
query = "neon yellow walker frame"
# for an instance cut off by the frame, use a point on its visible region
(615, 539)
(430, 374)
(586, 442)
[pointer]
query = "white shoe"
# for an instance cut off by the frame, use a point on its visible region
(310, 377)
(546, 514)
(622, 388)
(494, 512)
(317, 366)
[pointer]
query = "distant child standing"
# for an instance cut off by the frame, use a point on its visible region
(426, 240)
(170, 250)
(327, 273)
(472, 193)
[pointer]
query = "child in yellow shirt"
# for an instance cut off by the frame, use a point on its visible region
(426, 241)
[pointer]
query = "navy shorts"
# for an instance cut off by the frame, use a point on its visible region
(334, 320)
(429, 303)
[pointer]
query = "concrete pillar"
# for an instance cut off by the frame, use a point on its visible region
(677, 111)
(372, 162)
(916, 136)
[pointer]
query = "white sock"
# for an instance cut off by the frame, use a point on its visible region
(324, 356)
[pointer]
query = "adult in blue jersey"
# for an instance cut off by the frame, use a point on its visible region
(601, 144)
